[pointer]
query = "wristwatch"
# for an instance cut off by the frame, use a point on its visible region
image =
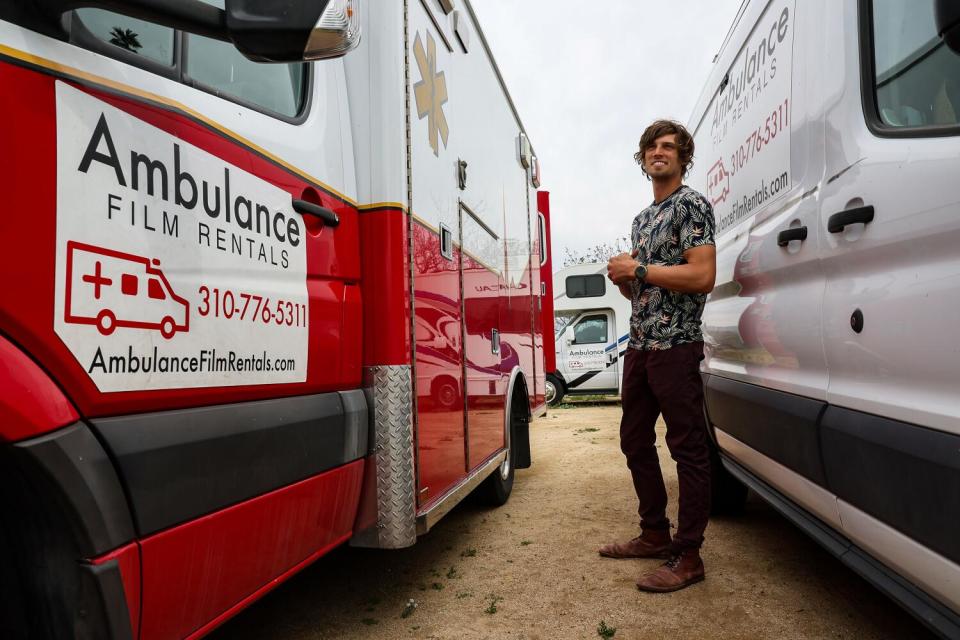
(640, 272)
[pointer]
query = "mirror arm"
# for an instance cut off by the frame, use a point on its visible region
(947, 19)
(192, 16)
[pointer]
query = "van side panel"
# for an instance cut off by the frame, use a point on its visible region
(198, 572)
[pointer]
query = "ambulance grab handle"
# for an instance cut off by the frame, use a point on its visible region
(309, 209)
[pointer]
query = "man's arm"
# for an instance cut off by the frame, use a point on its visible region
(625, 290)
(696, 276)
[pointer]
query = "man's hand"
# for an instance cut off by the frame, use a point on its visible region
(621, 269)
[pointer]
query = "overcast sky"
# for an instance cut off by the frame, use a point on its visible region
(587, 77)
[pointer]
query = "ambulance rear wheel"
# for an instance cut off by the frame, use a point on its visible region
(495, 490)
(106, 322)
(555, 390)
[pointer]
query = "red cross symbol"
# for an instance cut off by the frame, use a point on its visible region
(97, 280)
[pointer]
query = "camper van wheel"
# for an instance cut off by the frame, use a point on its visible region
(106, 322)
(167, 328)
(555, 390)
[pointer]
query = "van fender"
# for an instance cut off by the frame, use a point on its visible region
(31, 404)
(61, 505)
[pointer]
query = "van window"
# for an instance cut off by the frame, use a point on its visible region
(155, 290)
(128, 284)
(219, 67)
(212, 66)
(591, 330)
(145, 39)
(916, 79)
(591, 286)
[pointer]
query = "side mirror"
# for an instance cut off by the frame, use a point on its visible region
(293, 30)
(947, 16)
(262, 30)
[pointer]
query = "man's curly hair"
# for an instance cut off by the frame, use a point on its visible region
(663, 128)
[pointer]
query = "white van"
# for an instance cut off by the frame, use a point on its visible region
(592, 327)
(828, 140)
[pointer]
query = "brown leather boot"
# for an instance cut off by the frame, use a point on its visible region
(651, 543)
(681, 570)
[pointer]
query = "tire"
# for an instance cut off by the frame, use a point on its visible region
(495, 490)
(555, 390)
(13, 624)
(728, 496)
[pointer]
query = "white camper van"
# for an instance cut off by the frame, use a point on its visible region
(592, 327)
(828, 140)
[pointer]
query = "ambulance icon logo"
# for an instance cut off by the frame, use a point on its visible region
(431, 93)
(718, 183)
(111, 289)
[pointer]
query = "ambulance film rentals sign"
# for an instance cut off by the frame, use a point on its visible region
(746, 153)
(175, 269)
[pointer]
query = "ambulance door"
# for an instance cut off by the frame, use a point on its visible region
(439, 360)
(590, 352)
(482, 286)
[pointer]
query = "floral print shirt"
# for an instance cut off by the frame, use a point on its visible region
(661, 233)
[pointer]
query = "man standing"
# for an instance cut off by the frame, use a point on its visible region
(667, 277)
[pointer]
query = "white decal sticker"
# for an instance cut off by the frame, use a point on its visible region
(175, 268)
(743, 141)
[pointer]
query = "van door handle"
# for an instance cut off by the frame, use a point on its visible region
(796, 233)
(837, 222)
(309, 209)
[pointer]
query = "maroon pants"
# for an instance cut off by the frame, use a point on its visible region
(667, 382)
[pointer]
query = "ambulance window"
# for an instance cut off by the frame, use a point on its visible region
(155, 290)
(591, 330)
(591, 286)
(128, 284)
(209, 65)
(221, 69)
(915, 76)
(143, 39)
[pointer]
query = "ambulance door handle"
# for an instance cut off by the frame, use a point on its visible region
(611, 357)
(309, 209)
(838, 221)
(787, 235)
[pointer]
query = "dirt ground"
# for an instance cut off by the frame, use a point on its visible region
(530, 569)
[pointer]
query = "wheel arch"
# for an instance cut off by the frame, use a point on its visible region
(63, 507)
(518, 396)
